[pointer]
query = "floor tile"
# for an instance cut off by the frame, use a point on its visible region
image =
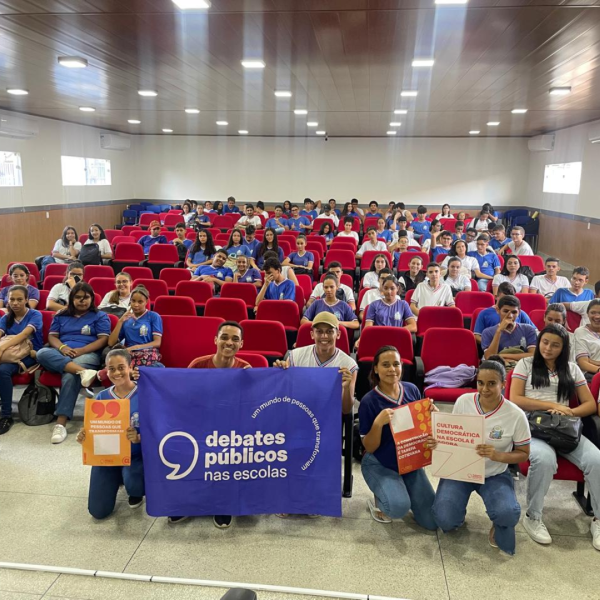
(30, 582)
(18, 596)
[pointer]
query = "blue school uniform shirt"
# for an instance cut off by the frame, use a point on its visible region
(202, 218)
(134, 411)
(566, 295)
(340, 309)
(294, 224)
(234, 251)
(386, 235)
(221, 273)
(459, 237)
(309, 213)
(250, 276)
(371, 215)
(32, 318)
(523, 336)
(186, 243)
(141, 330)
(420, 227)
(488, 317)
(370, 407)
(394, 315)
(147, 240)
(34, 293)
(253, 245)
(199, 257)
(233, 209)
(273, 223)
(286, 290)
(487, 263)
(301, 261)
(78, 332)
(437, 251)
(495, 244)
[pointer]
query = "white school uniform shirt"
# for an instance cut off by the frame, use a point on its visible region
(518, 282)
(523, 370)
(544, 286)
(442, 217)
(319, 291)
(411, 238)
(371, 280)
(370, 297)
(351, 234)
(480, 225)
(332, 216)
(307, 357)
(587, 343)
(523, 250)
(425, 295)
(468, 264)
(62, 249)
(123, 302)
(581, 309)
(103, 245)
(368, 247)
(504, 428)
(255, 220)
(462, 283)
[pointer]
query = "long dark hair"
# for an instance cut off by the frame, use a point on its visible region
(218, 207)
(230, 242)
(82, 286)
(505, 270)
(452, 251)
(346, 209)
(493, 364)
(66, 230)
(322, 230)
(102, 234)
(287, 209)
(210, 244)
(453, 259)
(264, 244)
(21, 267)
(10, 315)
(540, 377)
(373, 376)
(372, 267)
(449, 210)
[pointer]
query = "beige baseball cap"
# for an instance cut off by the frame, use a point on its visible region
(326, 317)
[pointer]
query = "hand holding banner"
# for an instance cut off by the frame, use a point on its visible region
(411, 426)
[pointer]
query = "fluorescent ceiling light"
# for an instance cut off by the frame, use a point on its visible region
(493, 123)
(321, 132)
(243, 131)
(400, 111)
(395, 124)
(87, 109)
(423, 62)
(167, 131)
(518, 111)
(312, 123)
(560, 91)
(253, 64)
(192, 111)
(133, 121)
(393, 132)
(223, 123)
(17, 92)
(283, 94)
(451, 1)
(409, 93)
(300, 111)
(191, 4)
(474, 132)
(72, 62)
(148, 93)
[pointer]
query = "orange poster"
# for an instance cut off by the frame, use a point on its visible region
(106, 423)
(411, 425)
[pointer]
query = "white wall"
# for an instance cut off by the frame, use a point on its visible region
(428, 171)
(571, 145)
(41, 165)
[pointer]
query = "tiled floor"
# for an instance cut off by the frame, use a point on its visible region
(43, 490)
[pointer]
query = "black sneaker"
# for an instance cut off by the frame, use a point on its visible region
(5, 424)
(222, 521)
(135, 501)
(176, 519)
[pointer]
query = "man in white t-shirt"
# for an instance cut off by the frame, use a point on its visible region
(335, 268)
(249, 219)
(372, 244)
(518, 246)
(550, 282)
(431, 292)
(328, 214)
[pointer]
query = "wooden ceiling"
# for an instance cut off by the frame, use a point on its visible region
(346, 61)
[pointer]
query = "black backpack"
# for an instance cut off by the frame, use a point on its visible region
(90, 255)
(37, 404)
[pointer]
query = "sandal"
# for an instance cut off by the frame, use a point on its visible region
(377, 515)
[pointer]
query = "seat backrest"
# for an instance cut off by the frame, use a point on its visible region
(448, 317)
(47, 316)
(535, 263)
(136, 235)
(474, 317)
(174, 305)
(163, 253)
(469, 301)
(449, 347)
(139, 272)
(155, 287)
(111, 234)
(123, 239)
(83, 238)
(51, 280)
(286, 247)
(129, 252)
(573, 321)
(347, 258)
(127, 230)
(406, 257)
(595, 386)
(257, 361)
(172, 276)
(355, 224)
(284, 311)
(146, 219)
(7, 280)
(56, 269)
(222, 222)
(186, 338)
(304, 338)
(171, 219)
(230, 309)
(33, 268)
(102, 285)
(41, 305)
(537, 318)
(91, 271)
(342, 242)
(244, 291)
(373, 338)
(317, 242)
(531, 302)
(264, 337)
(368, 257)
(198, 291)
(305, 282)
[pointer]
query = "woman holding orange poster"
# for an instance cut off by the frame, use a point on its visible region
(394, 494)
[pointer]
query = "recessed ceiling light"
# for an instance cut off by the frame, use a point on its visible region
(300, 111)
(451, 1)
(474, 132)
(167, 131)
(321, 132)
(192, 111)
(191, 4)
(493, 123)
(283, 94)
(17, 92)
(133, 121)
(4, 121)
(395, 124)
(312, 123)
(518, 111)
(409, 93)
(560, 91)
(400, 111)
(423, 62)
(148, 93)
(253, 64)
(243, 131)
(87, 109)
(222, 123)
(72, 62)
(392, 132)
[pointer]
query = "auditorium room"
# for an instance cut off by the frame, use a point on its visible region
(300, 299)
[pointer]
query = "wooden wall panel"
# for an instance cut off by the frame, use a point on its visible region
(30, 234)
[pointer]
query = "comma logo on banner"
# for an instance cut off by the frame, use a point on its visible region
(175, 474)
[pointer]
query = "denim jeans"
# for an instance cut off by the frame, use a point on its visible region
(543, 466)
(53, 360)
(397, 494)
(498, 495)
(105, 482)
(7, 370)
(482, 284)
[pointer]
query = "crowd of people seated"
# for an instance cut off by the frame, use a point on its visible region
(343, 272)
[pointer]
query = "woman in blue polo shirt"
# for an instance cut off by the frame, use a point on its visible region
(202, 250)
(301, 261)
(19, 275)
(235, 247)
(394, 494)
(22, 323)
(77, 336)
(269, 243)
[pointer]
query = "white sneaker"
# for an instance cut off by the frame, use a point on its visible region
(538, 533)
(595, 530)
(59, 434)
(88, 377)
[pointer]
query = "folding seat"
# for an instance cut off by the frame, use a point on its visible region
(223, 222)
(199, 291)
(230, 309)
(257, 361)
(439, 259)
(172, 276)
(286, 247)
(406, 257)
(170, 235)
(56, 269)
(266, 338)
(474, 318)
(175, 305)
(171, 219)
(573, 321)
(340, 243)
(243, 291)
(347, 258)
(127, 255)
(317, 242)
(448, 317)
(469, 301)
(186, 338)
(129, 217)
(285, 312)
(51, 280)
(111, 234)
(531, 302)
(91, 271)
(367, 259)
(537, 318)
(346, 279)
(139, 273)
(146, 219)
(535, 263)
(409, 295)
(33, 268)
(305, 282)
(155, 287)
(102, 285)
(162, 256)
(355, 225)
(450, 348)
(316, 264)
(259, 234)
(161, 217)
(474, 286)
(221, 239)
(7, 281)
(83, 238)
(122, 239)
(41, 305)
(304, 338)
(136, 235)
(300, 299)
(191, 235)
(175, 211)
(127, 230)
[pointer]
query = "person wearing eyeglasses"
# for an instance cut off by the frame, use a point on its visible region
(147, 241)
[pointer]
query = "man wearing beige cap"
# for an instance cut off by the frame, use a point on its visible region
(154, 238)
(323, 353)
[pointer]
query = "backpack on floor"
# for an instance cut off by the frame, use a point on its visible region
(37, 404)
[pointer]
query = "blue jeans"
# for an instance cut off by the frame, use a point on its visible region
(7, 370)
(498, 495)
(543, 466)
(482, 284)
(47, 260)
(397, 494)
(53, 360)
(105, 482)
